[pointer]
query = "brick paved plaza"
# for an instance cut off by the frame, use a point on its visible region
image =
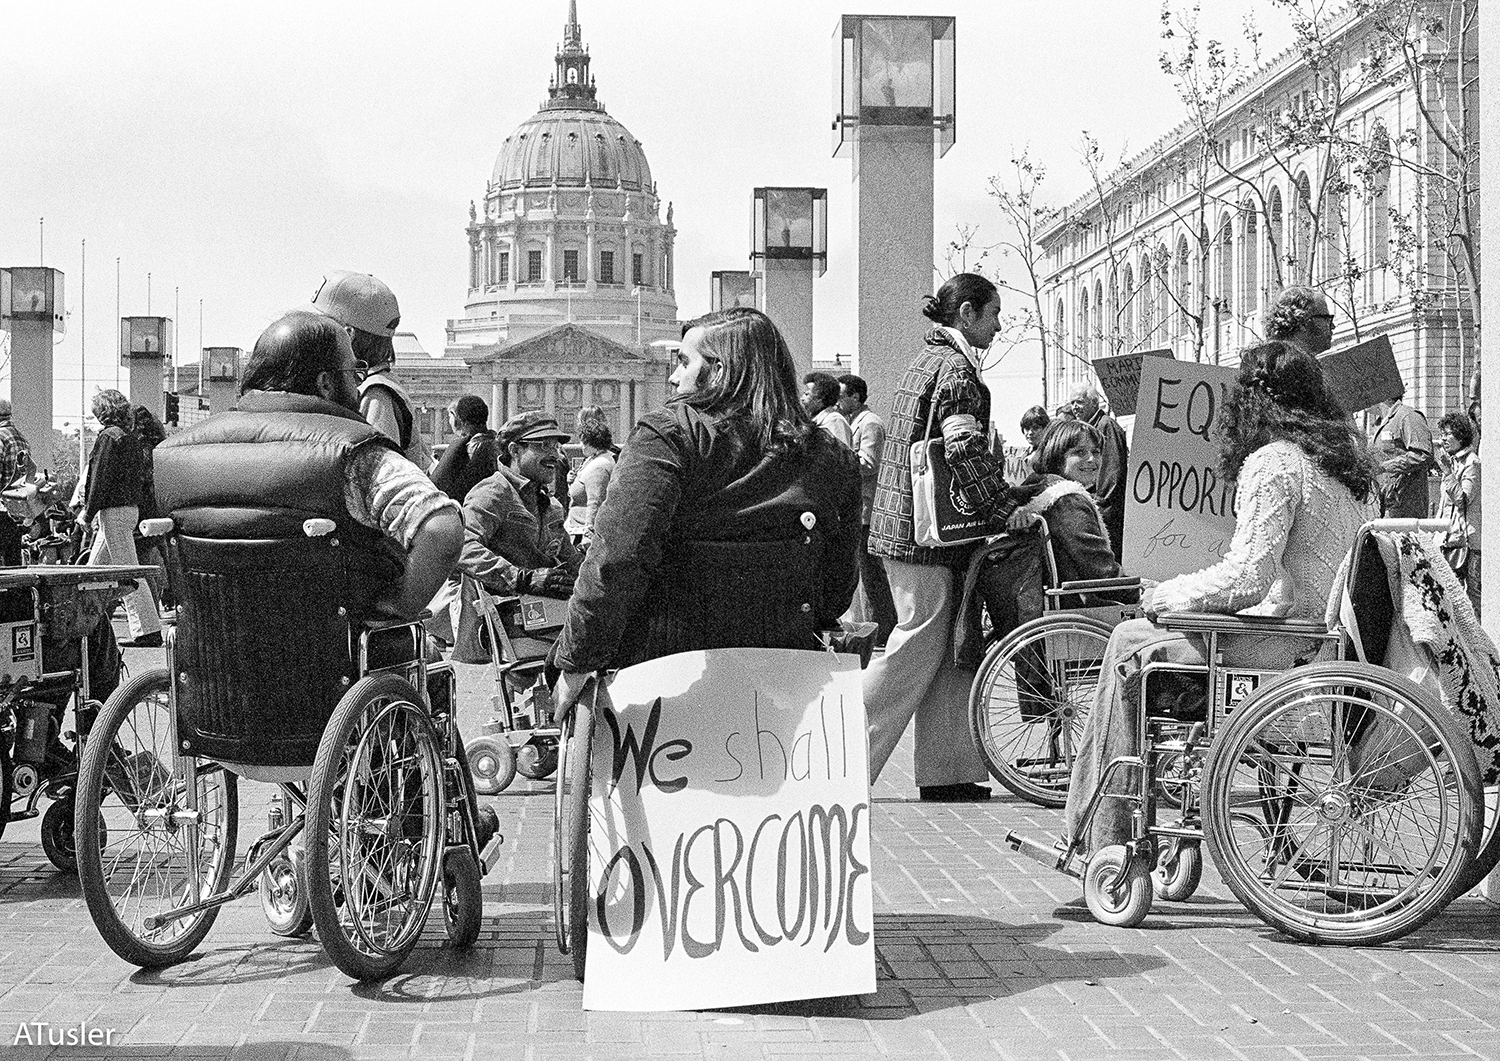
(982, 954)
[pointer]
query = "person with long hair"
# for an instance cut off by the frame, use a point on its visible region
(1304, 483)
(918, 674)
(113, 500)
(731, 519)
(1068, 461)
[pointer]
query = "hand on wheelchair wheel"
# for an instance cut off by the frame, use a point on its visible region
(570, 686)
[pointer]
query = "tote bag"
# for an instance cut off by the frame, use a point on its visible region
(939, 517)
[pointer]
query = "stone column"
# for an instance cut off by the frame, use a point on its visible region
(222, 395)
(549, 396)
(893, 190)
(512, 398)
(31, 385)
(788, 300)
(497, 409)
(146, 384)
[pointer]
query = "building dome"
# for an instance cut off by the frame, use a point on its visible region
(572, 146)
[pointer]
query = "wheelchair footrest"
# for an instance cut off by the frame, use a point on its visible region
(1054, 856)
(491, 854)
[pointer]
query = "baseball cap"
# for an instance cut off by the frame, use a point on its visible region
(358, 300)
(531, 427)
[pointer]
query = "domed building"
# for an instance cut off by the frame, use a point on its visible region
(570, 269)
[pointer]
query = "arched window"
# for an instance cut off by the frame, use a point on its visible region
(1250, 263)
(1184, 287)
(1148, 303)
(1161, 259)
(1302, 216)
(1060, 332)
(1083, 321)
(1275, 243)
(1379, 227)
(1112, 344)
(1224, 259)
(1096, 339)
(1331, 233)
(1127, 310)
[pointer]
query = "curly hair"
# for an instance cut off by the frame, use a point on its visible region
(1291, 311)
(147, 427)
(1280, 394)
(112, 409)
(1460, 426)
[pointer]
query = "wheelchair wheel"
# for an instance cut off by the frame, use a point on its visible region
(57, 835)
(1029, 702)
(463, 897)
(374, 827)
(570, 835)
(537, 758)
(1369, 799)
(143, 850)
(492, 764)
(1116, 892)
(1178, 872)
(6, 792)
(283, 894)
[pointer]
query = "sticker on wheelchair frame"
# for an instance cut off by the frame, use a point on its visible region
(23, 643)
(1235, 687)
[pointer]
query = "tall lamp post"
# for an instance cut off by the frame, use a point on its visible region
(894, 107)
(789, 247)
(33, 311)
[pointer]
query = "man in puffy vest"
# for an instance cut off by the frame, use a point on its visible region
(296, 447)
(367, 309)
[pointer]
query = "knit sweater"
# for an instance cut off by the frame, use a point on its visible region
(1293, 525)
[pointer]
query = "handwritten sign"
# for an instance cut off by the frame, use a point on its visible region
(1363, 374)
(1179, 511)
(1120, 378)
(729, 839)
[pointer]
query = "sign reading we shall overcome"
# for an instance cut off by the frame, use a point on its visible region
(729, 857)
(1179, 511)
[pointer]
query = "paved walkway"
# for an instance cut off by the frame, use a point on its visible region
(982, 954)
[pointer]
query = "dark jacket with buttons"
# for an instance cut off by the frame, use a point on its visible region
(704, 542)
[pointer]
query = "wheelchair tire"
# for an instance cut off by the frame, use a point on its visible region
(6, 791)
(131, 789)
(1177, 873)
(463, 898)
(375, 818)
(283, 894)
(1370, 799)
(492, 764)
(570, 894)
(1029, 702)
(1114, 898)
(57, 835)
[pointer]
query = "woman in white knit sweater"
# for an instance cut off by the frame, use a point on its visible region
(1303, 485)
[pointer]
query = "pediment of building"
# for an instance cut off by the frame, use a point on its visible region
(567, 343)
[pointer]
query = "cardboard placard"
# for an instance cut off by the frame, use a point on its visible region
(1179, 511)
(729, 833)
(1362, 375)
(1120, 378)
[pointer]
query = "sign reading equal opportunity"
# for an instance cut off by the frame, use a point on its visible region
(729, 837)
(1179, 511)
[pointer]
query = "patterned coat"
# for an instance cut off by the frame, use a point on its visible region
(944, 375)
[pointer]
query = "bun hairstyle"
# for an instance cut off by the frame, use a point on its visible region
(943, 307)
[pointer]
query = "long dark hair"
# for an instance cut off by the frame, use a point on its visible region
(943, 307)
(1280, 394)
(759, 383)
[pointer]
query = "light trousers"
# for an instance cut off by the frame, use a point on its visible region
(114, 543)
(917, 676)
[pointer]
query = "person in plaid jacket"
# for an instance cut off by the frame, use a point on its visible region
(918, 675)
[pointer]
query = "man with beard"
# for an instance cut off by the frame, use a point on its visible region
(297, 448)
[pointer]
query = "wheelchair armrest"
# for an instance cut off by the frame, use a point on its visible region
(1213, 622)
(375, 626)
(1096, 585)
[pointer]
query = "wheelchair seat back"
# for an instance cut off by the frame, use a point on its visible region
(263, 646)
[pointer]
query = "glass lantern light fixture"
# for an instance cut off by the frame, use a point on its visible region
(893, 73)
(222, 362)
(790, 224)
(33, 293)
(144, 337)
(731, 287)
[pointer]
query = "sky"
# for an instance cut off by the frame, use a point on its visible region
(235, 152)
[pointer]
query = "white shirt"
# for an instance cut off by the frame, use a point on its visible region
(832, 421)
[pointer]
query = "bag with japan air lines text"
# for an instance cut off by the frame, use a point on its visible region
(940, 517)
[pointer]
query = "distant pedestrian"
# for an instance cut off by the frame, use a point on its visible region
(1034, 422)
(868, 432)
(112, 502)
(1114, 458)
(1300, 315)
(472, 455)
(1402, 446)
(16, 468)
(820, 397)
(151, 434)
(1460, 503)
(588, 486)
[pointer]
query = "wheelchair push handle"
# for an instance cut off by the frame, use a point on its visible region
(318, 527)
(157, 528)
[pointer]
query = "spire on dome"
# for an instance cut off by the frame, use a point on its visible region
(571, 84)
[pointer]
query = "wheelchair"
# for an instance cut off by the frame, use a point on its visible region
(1339, 801)
(1032, 692)
(47, 615)
(519, 737)
(270, 679)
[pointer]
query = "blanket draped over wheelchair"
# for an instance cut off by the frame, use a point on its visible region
(1438, 641)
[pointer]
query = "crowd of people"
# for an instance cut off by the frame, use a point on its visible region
(752, 485)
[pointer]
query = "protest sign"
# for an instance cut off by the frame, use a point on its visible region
(1120, 378)
(1179, 511)
(729, 845)
(1362, 375)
